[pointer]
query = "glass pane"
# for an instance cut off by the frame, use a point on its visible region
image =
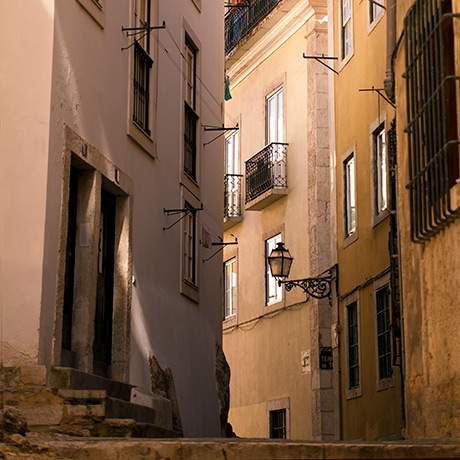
(272, 122)
(280, 133)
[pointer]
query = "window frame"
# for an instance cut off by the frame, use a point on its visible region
(274, 95)
(233, 288)
(282, 404)
(379, 181)
(385, 382)
(375, 13)
(343, 24)
(283, 427)
(350, 235)
(191, 116)
(95, 9)
(143, 136)
(356, 391)
(268, 276)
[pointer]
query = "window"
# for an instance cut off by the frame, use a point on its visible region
(275, 118)
(191, 117)
(232, 177)
(232, 161)
(375, 9)
(273, 291)
(142, 65)
(382, 298)
(190, 244)
(380, 170)
(230, 276)
(350, 195)
(346, 31)
(432, 114)
(278, 424)
(353, 346)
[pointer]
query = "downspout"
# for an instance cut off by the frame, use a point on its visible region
(391, 44)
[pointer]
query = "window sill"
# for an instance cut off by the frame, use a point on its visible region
(355, 393)
(345, 61)
(350, 239)
(385, 384)
(378, 218)
(230, 322)
(374, 23)
(94, 10)
(271, 307)
(142, 139)
(190, 291)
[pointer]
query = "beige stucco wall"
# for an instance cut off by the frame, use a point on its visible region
(431, 283)
(370, 414)
(265, 354)
(81, 79)
(25, 93)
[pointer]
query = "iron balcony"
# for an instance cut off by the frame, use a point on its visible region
(266, 176)
(240, 21)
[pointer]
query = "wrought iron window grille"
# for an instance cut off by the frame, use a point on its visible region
(433, 138)
(266, 170)
(232, 197)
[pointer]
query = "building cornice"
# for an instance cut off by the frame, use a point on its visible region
(285, 28)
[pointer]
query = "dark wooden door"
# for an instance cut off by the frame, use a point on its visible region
(66, 355)
(102, 345)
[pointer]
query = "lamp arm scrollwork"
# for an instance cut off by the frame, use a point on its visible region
(319, 288)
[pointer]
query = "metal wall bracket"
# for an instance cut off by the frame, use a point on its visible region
(321, 60)
(136, 31)
(183, 211)
(222, 245)
(379, 91)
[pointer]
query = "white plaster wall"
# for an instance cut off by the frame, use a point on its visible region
(26, 39)
(80, 79)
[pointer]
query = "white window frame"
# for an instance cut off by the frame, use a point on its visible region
(375, 11)
(349, 197)
(277, 132)
(230, 288)
(346, 23)
(271, 283)
(232, 159)
(380, 173)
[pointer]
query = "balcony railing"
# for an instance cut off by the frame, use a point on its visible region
(240, 21)
(233, 189)
(266, 170)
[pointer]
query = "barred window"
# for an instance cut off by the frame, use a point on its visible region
(189, 244)
(432, 94)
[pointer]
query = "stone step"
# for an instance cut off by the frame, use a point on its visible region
(96, 403)
(69, 378)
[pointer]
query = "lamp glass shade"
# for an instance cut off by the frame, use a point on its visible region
(280, 261)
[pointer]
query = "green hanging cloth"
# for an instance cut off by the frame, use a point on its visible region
(228, 95)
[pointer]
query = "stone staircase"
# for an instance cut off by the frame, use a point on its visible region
(71, 402)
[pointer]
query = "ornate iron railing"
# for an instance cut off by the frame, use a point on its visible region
(240, 21)
(232, 195)
(266, 170)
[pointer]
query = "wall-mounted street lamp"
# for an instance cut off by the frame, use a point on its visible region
(280, 261)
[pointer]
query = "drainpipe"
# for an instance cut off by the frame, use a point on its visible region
(391, 44)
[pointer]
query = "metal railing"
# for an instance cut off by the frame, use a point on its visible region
(266, 170)
(141, 87)
(240, 21)
(232, 203)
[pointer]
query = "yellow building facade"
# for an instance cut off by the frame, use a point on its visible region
(278, 189)
(368, 311)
